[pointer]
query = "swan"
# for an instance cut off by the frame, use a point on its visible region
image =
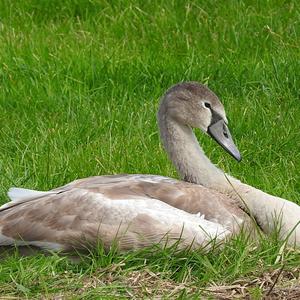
(135, 211)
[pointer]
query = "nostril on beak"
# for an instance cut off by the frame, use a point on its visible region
(225, 131)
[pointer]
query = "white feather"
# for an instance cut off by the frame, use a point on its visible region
(20, 194)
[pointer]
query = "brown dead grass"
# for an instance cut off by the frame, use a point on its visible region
(115, 283)
(145, 284)
(276, 284)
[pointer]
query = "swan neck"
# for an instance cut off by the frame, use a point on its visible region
(187, 155)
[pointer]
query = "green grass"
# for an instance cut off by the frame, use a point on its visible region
(80, 85)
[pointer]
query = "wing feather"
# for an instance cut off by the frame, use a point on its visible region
(20, 194)
(78, 218)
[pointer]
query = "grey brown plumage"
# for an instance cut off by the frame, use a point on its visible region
(125, 209)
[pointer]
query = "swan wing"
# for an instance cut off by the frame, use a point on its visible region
(192, 198)
(78, 218)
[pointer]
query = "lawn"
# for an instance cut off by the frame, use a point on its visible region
(80, 85)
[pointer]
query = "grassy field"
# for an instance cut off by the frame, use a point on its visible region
(80, 86)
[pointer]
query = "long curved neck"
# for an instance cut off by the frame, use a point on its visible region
(186, 154)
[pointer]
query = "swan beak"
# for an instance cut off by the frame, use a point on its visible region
(220, 132)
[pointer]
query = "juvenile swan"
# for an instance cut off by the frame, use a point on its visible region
(135, 211)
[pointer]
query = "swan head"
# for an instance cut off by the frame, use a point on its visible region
(195, 105)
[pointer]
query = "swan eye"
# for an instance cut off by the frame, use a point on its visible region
(207, 105)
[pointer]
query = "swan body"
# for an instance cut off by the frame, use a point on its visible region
(135, 211)
(121, 208)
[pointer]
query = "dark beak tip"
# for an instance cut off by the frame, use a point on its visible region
(235, 154)
(239, 158)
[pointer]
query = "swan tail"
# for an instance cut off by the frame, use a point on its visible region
(20, 194)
